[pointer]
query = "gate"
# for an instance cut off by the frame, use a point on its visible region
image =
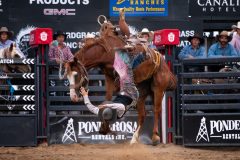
(209, 103)
(18, 110)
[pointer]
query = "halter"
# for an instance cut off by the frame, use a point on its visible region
(83, 78)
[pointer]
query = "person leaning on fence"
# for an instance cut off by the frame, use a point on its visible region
(222, 48)
(5, 36)
(58, 49)
(194, 50)
(58, 52)
(235, 42)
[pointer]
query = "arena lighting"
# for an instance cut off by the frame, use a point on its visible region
(63, 2)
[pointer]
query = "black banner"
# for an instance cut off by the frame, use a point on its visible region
(84, 129)
(221, 8)
(211, 130)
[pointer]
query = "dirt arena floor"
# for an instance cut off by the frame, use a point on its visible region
(117, 152)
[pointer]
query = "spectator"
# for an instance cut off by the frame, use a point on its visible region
(194, 50)
(146, 34)
(5, 35)
(222, 48)
(58, 47)
(236, 39)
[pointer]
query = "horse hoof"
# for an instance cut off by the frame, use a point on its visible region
(155, 140)
(133, 141)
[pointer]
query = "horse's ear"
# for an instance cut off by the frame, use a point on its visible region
(11, 47)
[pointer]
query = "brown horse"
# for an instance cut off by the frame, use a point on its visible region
(152, 77)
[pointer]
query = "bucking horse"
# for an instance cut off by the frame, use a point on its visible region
(152, 76)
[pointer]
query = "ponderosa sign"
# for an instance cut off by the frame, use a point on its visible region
(214, 8)
(86, 130)
(211, 129)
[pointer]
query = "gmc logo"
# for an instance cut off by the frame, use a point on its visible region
(59, 12)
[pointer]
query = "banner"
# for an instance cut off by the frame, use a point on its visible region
(139, 7)
(84, 129)
(211, 129)
(225, 8)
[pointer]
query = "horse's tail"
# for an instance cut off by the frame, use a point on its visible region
(172, 85)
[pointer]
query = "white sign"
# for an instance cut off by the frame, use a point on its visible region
(43, 36)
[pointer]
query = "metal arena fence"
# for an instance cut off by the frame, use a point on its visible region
(36, 105)
(208, 106)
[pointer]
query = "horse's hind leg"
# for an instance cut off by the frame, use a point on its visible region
(141, 117)
(158, 96)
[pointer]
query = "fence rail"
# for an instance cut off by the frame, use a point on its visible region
(207, 99)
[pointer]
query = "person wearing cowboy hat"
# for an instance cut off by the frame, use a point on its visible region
(194, 50)
(108, 112)
(59, 48)
(59, 51)
(235, 42)
(5, 35)
(222, 48)
(146, 34)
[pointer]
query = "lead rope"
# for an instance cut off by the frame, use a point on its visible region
(60, 75)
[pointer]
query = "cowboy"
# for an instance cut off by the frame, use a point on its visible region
(58, 49)
(59, 52)
(194, 50)
(5, 36)
(235, 42)
(222, 48)
(146, 34)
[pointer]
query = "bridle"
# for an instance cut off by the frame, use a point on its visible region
(84, 78)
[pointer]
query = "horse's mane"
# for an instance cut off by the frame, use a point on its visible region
(89, 44)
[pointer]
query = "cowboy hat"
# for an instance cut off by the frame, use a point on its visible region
(196, 35)
(225, 34)
(58, 33)
(108, 114)
(5, 29)
(236, 26)
(145, 31)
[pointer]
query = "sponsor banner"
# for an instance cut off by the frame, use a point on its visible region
(139, 7)
(211, 129)
(67, 130)
(54, 11)
(199, 8)
(77, 31)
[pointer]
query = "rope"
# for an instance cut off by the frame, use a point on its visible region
(61, 77)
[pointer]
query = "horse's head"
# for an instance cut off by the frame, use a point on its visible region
(13, 53)
(77, 76)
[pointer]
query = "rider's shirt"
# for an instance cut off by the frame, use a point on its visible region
(94, 109)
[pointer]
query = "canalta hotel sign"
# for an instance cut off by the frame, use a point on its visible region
(214, 7)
